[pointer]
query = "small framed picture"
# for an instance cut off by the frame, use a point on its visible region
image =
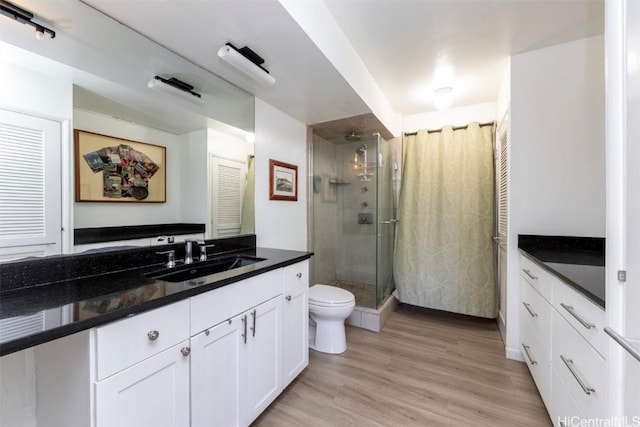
(283, 181)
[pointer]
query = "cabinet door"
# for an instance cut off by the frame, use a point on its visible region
(154, 393)
(295, 322)
(264, 356)
(218, 375)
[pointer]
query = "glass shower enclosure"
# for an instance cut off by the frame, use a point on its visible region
(354, 216)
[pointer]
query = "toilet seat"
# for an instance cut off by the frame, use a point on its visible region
(330, 296)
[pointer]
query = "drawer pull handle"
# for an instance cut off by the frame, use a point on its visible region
(528, 273)
(254, 314)
(528, 307)
(244, 326)
(153, 335)
(623, 342)
(288, 297)
(299, 275)
(587, 390)
(185, 351)
(571, 311)
(526, 350)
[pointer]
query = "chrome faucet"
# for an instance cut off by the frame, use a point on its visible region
(188, 257)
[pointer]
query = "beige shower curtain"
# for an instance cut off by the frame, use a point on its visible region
(444, 256)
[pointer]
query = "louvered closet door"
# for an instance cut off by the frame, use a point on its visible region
(502, 180)
(228, 185)
(30, 186)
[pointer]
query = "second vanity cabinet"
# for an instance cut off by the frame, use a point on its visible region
(561, 333)
(218, 358)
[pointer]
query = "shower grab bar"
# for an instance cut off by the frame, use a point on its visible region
(623, 342)
(389, 221)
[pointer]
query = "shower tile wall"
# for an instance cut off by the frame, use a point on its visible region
(356, 251)
(325, 222)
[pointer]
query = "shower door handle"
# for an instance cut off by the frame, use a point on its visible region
(389, 221)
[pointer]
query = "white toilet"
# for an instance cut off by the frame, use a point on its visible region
(328, 308)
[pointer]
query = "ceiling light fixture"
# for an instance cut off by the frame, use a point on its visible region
(176, 87)
(444, 98)
(25, 17)
(247, 61)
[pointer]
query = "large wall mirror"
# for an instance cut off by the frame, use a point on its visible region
(68, 80)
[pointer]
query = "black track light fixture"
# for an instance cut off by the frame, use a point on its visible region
(24, 16)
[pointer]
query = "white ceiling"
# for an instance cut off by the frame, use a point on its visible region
(401, 43)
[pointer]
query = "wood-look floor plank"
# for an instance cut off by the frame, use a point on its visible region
(425, 368)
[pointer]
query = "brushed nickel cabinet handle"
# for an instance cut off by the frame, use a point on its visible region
(569, 363)
(244, 326)
(526, 350)
(528, 307)
(288, 297)
(153, 335)
(185, 351)
(528, 273)
(623, 342)
(254, 314)
(299, 275)
(571, 311)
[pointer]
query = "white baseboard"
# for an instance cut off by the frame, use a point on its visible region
(514, 354)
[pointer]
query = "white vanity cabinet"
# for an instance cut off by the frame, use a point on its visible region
(217, 358)
(154, 392)
(562, 342)
(295, 324)
(235, 367)
(131, 372)
(237, 350)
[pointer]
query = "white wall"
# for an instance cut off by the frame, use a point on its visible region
(460, 116)
(114, 214)
(280, 224)
(557, 161)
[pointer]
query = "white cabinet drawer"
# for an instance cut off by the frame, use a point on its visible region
(585, 316)
(537, 277)
(571, 352)
(218, 305)
(537, 359)
(536, 311)
(296, 278)
(131, 340)
(564, 410)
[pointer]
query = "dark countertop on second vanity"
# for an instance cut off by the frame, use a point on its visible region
(577, 261)
(90, 301)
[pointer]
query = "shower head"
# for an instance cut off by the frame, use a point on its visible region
(353, 136)
(362, 149)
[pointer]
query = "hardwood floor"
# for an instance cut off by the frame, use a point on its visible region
(424, 369)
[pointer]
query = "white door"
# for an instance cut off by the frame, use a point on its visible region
(623, 209)
(264, 352)
(30, 186)
(152, 393)
(218, 375)
(228, 183)
(295, 322)
(632, 285)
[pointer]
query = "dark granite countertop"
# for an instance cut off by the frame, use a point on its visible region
(577, 261)
(77, 303)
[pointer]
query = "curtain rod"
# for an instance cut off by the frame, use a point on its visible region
(454, 128)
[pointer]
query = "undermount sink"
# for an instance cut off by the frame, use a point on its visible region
(204, 268)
